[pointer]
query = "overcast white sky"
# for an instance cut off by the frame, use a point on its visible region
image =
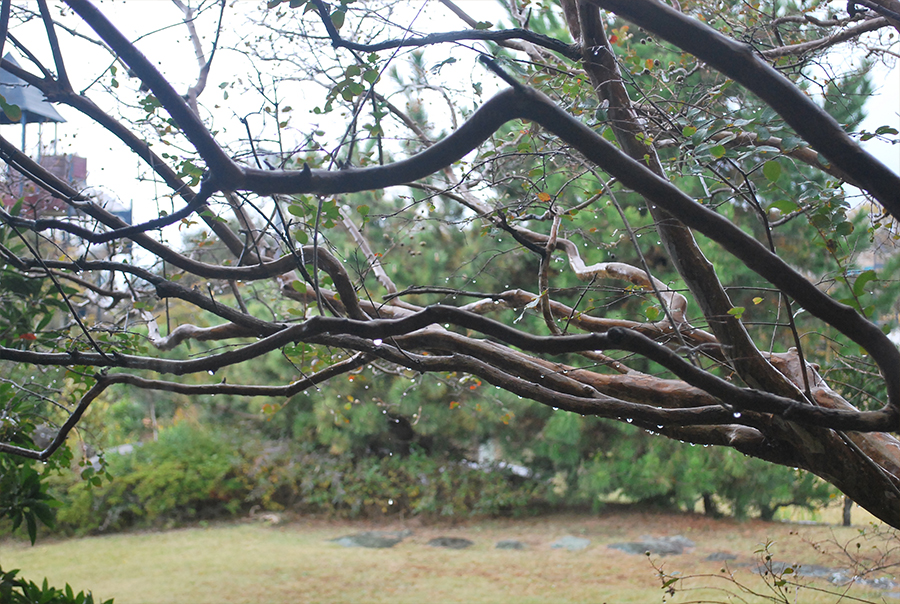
(884, 109)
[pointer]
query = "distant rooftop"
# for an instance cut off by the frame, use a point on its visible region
(35, 109)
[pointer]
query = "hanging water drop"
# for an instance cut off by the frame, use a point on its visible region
(377, 341)
(629, 420)
(737, 414)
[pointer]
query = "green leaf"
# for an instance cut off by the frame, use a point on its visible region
(484, 25)
(785, 206)
(301, 236)
(718, 151)
(337, 18)
(13, 112)
(370, 75)
(789, 143)
(737, 312)
(299, 286)
(43, 513)
(886, 130)
(688, 131)
(843, 229)
(772, 170)
(860, 283)
(32, 526)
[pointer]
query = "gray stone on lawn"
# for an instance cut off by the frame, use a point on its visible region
(450, 542)
(373, 539)
(720, 557)
(573, 544)
(661, 546)
(511, 544)
(836, 576)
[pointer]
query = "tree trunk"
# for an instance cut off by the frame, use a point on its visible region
(709, 506)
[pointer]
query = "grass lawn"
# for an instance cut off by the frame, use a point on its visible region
(295, 562)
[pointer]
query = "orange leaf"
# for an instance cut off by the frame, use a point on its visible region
(28, 336)
(543, 196)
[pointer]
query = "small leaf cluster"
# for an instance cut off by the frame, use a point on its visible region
(23, 497)
(14, 590)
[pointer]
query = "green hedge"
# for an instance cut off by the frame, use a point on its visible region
(192, 474)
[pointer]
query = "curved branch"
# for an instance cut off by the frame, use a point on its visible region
(187, 331)
(375, 331)
(751, 139)
(570, 51)
(45, 224)
(736, 399)
(823, 43)
(105, 381)
(588, 403)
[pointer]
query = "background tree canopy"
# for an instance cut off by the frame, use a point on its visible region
(556, 238)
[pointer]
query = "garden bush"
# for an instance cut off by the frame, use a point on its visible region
(192, 474)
